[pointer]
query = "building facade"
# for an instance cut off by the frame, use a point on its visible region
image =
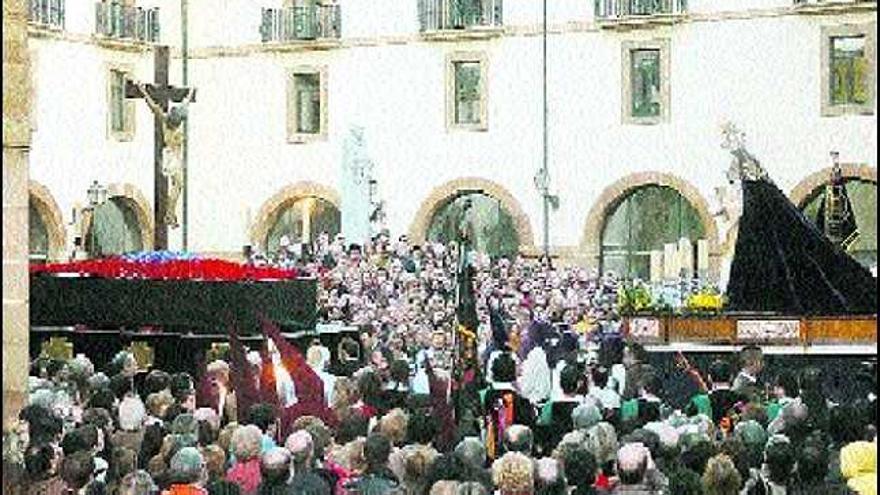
(446, 99)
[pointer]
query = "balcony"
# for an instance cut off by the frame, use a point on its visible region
(301, 23)
(637, 13)
(461, 18)
(116, 21)
(48, 14)
(834, 6)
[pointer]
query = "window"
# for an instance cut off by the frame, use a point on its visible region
(645, 82)
(848, 70)
(645, 220)
(121, 110)
(38, 235)
(307, 105)
(466, 91)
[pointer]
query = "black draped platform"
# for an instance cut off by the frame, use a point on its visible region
(785, 265)
(189, 306)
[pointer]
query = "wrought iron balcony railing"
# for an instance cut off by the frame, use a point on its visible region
(442, 15)
(305, 22)
(47, 13)
(611, 10)
(115, 20)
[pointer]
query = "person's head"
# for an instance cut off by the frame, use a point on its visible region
(82, 439)
(182, 387)
(721, 476)
(513, 473)
(585, 416)
(570, 379)
(632, 463)
(124, 462)
(519, 438)
(634, 353)
(301, 446)
(156, 381)
(504, 368)
(812, 461)
(580, 467)
(215, 461)
(354, 426)
(131, 413)
(321, 435)
(399, 371)
(751, 359)
(77, 469)
(422, 428)
(720, 372)
(262, 416)
(40, 462)
(138, 483)
(651, 385)
(786, 384)
(246, 442)
(377, 448)
(393, 425)
(683, 481)
(158, 403)
(548, 477)
(472, 452)
(779, 457)
(102, 398)
(188, 466)
(602, 442)
(471, 488)
(275, 466)
(697, 454)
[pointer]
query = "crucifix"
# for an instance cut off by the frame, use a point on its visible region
(169, 142)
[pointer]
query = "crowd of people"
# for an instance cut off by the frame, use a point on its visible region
(561, 404)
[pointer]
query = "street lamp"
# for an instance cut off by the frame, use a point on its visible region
(97, 196)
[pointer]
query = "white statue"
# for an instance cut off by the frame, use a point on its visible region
(172, 152)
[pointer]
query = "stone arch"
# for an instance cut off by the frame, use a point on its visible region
(611, 196)
(50, 213)
(141, 207)
(288, 195)
(805, 189)
(418, 229)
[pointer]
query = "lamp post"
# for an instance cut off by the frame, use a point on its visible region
(97, 196)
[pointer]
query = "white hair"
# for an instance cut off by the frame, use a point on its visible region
(131, 413)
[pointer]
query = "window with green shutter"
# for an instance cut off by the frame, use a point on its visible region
(849, 70)
(307, 91)
(467, 93)
(645, 78)
(117, 101)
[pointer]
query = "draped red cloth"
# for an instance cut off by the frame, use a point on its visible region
(309, 386)
(200, 269)
(241, 375)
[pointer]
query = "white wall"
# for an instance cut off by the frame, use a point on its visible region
(763, 73)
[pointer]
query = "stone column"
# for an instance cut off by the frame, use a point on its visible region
(16, 142)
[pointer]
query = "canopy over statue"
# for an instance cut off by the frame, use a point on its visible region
(782, 262)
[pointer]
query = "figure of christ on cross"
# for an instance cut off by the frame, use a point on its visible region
(172, 152)
(169, 141)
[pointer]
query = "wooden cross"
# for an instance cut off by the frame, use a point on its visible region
(162, 94)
